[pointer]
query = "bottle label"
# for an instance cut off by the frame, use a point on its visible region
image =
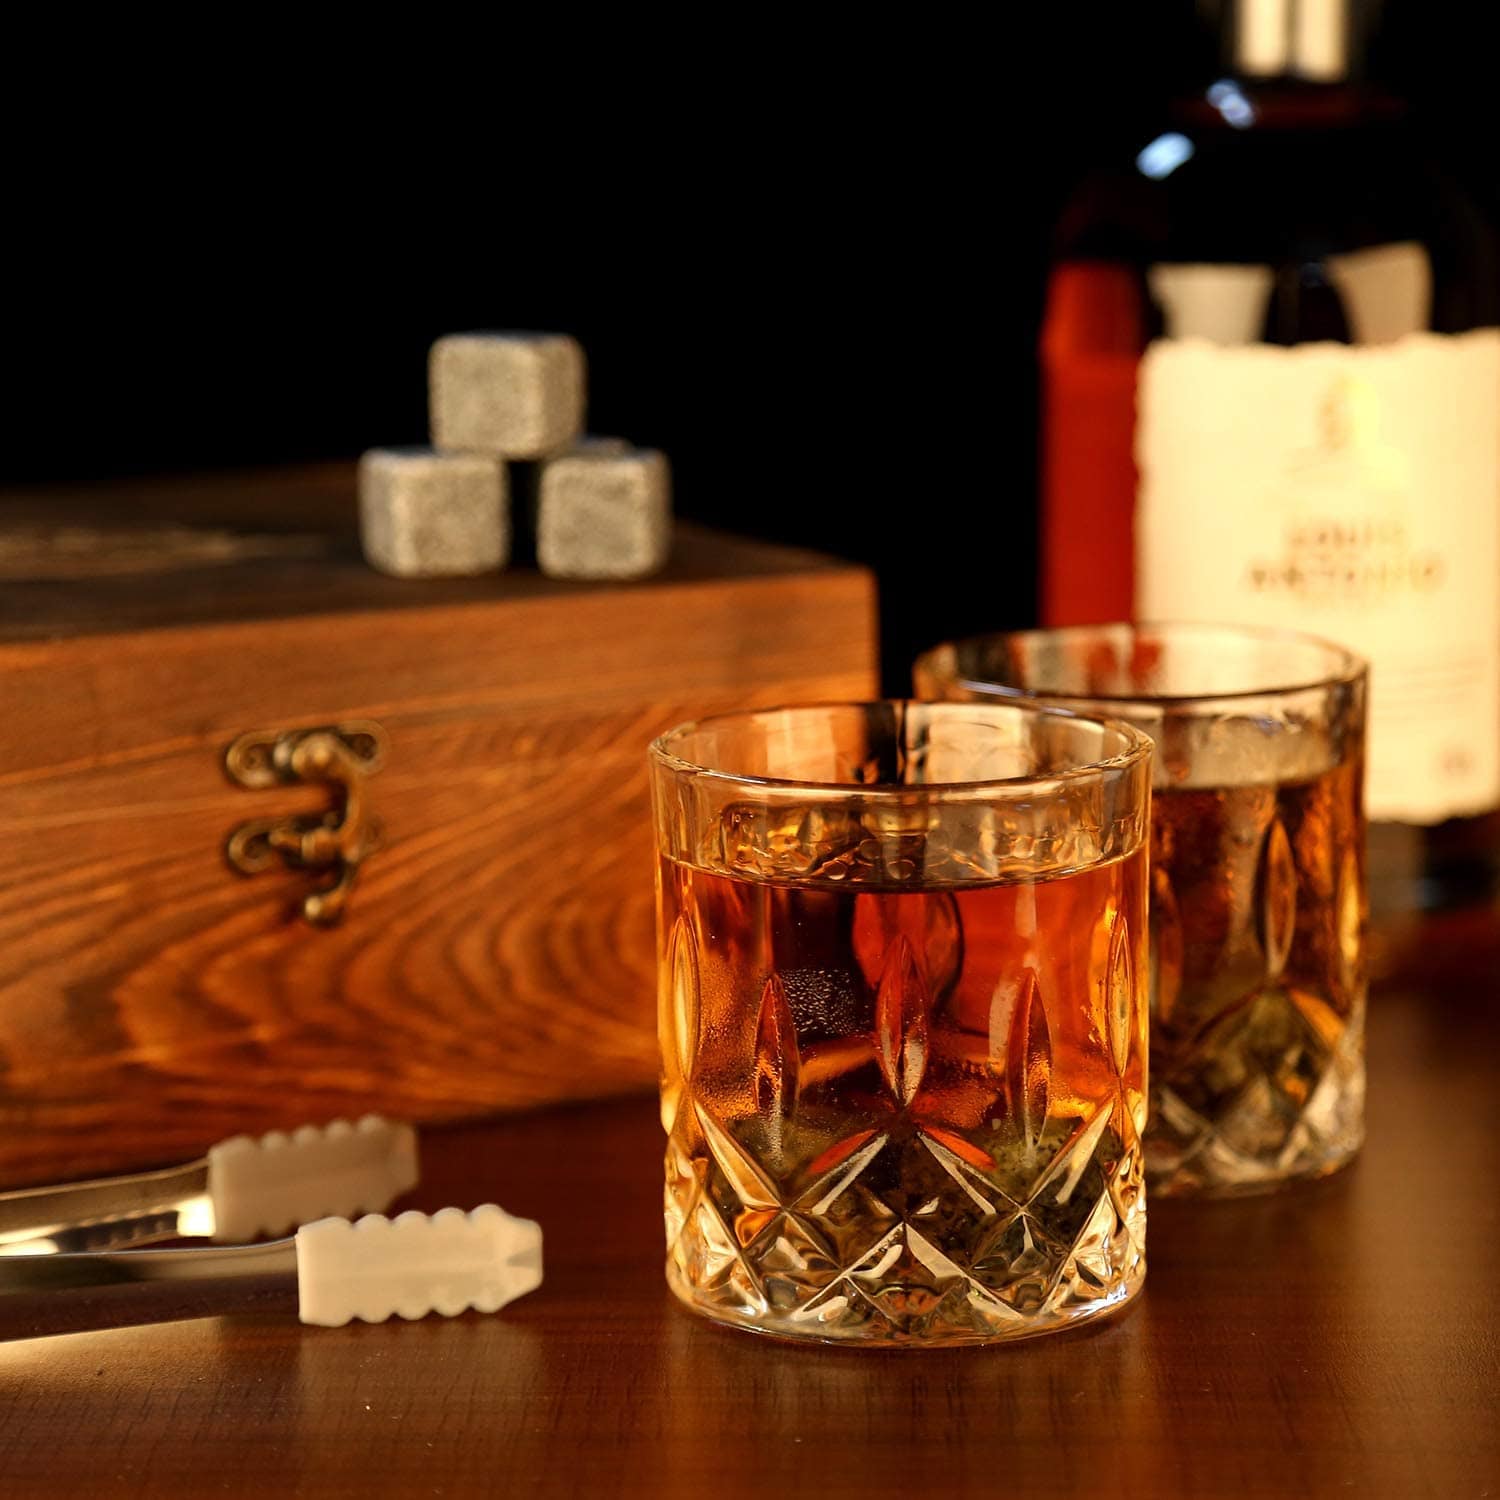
(1353, 492)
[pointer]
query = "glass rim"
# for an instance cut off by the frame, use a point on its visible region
(1351, 667)
(1139, 747)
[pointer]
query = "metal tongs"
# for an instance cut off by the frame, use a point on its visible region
(64, 1265)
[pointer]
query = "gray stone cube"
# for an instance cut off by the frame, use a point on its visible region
(604, 510)
(517, 395)
(433, 515)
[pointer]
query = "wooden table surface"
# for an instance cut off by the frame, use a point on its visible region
(1336, 1339)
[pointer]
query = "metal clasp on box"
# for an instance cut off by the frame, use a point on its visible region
(331, 844)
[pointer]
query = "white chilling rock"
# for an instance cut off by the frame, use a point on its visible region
(516, 395)
(604, 510)
(433, 515)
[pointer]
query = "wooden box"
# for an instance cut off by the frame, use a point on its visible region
(496, 949)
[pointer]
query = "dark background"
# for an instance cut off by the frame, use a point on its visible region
(805, 258)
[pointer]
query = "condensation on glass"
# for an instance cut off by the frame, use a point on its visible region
(903, 1026)
(1258, 891)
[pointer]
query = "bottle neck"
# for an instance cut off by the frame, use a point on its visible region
(1291, 64)
(1314, 41)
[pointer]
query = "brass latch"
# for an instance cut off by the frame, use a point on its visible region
(333, 843)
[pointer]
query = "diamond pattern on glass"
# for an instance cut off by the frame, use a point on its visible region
(1258, 1036)
(935, 1171)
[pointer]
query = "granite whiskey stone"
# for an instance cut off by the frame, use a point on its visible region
(433, 515)
(604, 510)
(516, 395)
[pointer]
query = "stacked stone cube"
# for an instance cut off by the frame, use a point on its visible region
(503, 404)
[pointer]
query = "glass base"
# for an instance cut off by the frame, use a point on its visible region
(885, 1334)
(1272, 1133)
(1188, 1182)
(900, 1242)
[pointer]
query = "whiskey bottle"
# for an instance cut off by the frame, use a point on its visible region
(1271, 395)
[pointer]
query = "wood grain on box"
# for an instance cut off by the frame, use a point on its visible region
(497, 951)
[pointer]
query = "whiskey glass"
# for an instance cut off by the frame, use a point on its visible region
(1258, 896)
(902, 960)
